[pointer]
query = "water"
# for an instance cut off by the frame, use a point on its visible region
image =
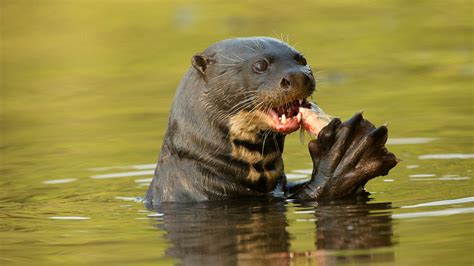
(85, 93)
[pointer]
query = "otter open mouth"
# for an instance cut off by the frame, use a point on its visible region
(287, 118)
(300, 113)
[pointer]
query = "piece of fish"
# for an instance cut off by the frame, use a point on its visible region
(313, 120)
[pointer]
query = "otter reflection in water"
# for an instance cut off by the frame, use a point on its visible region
(257, 232)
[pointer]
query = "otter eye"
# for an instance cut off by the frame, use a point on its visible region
(260, 66)
(301, 60)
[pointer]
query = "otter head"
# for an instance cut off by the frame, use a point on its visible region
(256, 84)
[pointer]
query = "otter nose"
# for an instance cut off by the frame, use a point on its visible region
(297, 80)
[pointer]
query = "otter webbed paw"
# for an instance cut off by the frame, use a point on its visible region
(345, 157)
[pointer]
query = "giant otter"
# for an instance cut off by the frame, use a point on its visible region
(228, 123)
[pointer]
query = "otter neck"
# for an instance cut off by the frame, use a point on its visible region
(259, 149)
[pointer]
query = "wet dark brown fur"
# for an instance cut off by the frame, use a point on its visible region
(220, 143)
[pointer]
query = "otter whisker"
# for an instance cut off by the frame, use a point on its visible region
(242, 105)
(249, 115)
(248, 89)
(276, 35)
(249, 94)
(265, 135)
(239, 57)
(255, 108)
(276, 144)
(211, 105)
(258, 44)
(228, 58)
(246, 102)
(248, 47)
(222, 64)
(223, 74)
(253, 111)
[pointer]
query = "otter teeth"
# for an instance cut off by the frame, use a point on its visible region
(283, 119)
(300, 101)
(298, 117)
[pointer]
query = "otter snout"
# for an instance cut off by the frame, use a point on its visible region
(298, 80)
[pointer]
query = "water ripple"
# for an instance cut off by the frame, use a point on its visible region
(123, 174)
(69, 218)
(402, 141)
(446, 156)
(137, 167)
(59, 181)
(446, 212)
(442, 202)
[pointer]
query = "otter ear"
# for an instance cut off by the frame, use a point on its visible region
(200, 63)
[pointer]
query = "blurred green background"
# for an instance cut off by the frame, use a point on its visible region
(89, 84)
